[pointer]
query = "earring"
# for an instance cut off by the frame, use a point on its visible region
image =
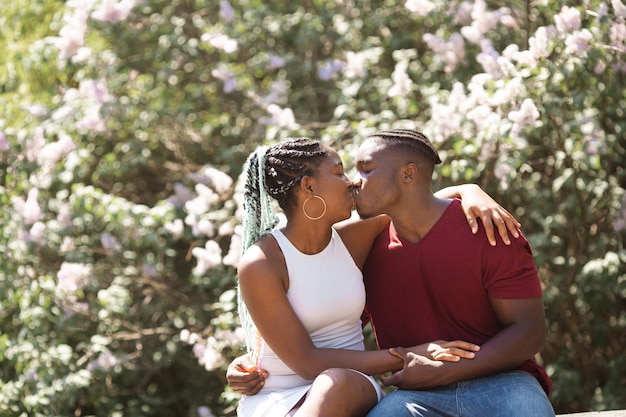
(304, 208)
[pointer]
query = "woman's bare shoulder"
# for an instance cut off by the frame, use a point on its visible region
(263, 258)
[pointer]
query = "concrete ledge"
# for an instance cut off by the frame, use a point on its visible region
(612, 413)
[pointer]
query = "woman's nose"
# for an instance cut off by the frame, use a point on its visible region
(356, 182)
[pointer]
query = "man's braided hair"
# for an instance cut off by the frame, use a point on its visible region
(409, 140)
(272, 172)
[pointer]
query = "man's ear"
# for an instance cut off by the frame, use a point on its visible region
(408, 172)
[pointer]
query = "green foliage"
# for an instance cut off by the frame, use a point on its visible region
(122, 136)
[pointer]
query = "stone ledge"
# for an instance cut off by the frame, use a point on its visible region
(612, 413)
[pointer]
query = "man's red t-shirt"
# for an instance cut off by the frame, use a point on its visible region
(439, 287)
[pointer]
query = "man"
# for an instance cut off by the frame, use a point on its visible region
(446, 283)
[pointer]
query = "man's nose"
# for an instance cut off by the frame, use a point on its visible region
(357, 181)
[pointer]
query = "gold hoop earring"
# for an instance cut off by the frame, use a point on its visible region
(304, 208)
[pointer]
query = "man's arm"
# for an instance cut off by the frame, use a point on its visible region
(522, 337)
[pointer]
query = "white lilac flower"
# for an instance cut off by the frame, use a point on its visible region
(29, 210)
(234, 251)
(63, 112)
(568, 19)
(618, 8)
(232, 338)
(105, 361)
(4, 144)
(64, 217)
(526, 115)
(206, 227)
(204, 411)
(189, 337)
(176, 228)
(472, 34)
(617, 34)
(67, 245)
(206, 194)
(51, 153)
(488, 58)
(72, 276)
(72, 34)
(451, 52)
(275, 62)
(36, 233)
(421, 7)
(230, 84)
(207, 257)
(180, 196)
(402, 84)
(110, 243)
(221, 41)
(94, 90)
(34, 144)
(484, 19)
(218, 180)
(113, 11)
(37, 110)
(538, 44)
(279, 116)
(480, 115)
(92, 120)
(355, 65)
(277, 91)
(577, 42)
(207, 355)
(226, 11)
(512, 89)
(502, 172)
(329, 69)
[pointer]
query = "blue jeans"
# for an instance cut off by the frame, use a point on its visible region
(509, 394)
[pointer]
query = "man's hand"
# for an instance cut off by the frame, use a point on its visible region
(440, 350)
(421, 363)
(419, 372)
(244, 377)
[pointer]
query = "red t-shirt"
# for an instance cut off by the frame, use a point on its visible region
(439, 287)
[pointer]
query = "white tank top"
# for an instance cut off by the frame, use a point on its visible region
(326, 292)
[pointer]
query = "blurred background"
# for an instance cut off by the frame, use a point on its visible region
(124, 125)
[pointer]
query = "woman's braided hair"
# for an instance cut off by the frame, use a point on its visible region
(272, 172)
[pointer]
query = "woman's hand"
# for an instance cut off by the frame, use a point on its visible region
(244, 377)
(478, 204)
(439, 350)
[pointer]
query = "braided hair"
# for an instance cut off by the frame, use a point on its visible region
(272, 172)
(409, 140)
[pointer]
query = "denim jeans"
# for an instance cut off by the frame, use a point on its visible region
(509, 394)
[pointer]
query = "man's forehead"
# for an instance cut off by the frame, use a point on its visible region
(368, 150)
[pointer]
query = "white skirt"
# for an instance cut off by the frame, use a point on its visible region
(271, 404)
(279, 402)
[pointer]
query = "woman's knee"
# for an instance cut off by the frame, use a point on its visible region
(334, 380)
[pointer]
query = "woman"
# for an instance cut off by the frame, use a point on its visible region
(301, 288)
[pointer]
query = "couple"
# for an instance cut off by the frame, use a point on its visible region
(457, 319)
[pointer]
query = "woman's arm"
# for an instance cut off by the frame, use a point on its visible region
(262, 281)
(477, 203)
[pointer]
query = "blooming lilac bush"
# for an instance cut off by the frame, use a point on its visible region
(126, 124)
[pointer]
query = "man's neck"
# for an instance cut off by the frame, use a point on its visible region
(415, 219)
